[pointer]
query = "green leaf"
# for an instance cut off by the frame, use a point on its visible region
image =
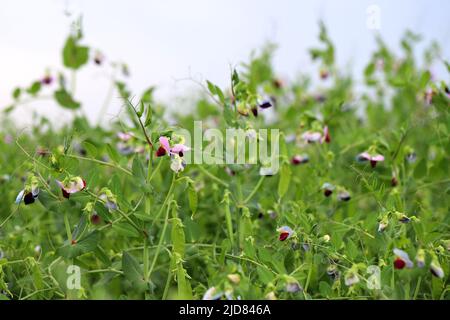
(126, 230)
(85, 245)
(211, 87)
(285, 178)
(16, 93)
(193, 199)
(147, 96)
(148, 116)
(138, 170)
(37, 277)
(264, 274)
(74, 56)
(132, 270)
(112, 153)
(421, 169)
(65, 99)
(424, 79)
(90, 148)
(34, 88)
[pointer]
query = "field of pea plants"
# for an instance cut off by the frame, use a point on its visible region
(350, 202)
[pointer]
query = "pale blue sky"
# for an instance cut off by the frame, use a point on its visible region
(167, 40)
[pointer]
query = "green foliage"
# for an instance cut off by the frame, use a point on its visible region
(139, 229)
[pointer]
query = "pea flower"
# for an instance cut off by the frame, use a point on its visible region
(109, 198)
(366, 156)
(37, 249)
(271, 296)
(165, 148)
(95, 219)
(333, 272)
(351, 278)
(324, 74)
(72, 185)
(211, 294)
(326, 135)
(327, 189)
(299, 159)
(428, 96)
(293, 287)
(411, 157)
(99, 58)
(47, 79)
(311, 137)
(436, 269)
(234, 278)
(285, 233)
(125, 136)
(266, 104)
(394, 181)
(383, 224)
(177, 163)
(343, 196)
(402, 259)
(420, 258)
(254, 111)
(27, 197)
(30, 193)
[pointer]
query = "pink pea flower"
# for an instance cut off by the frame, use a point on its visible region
(70, 186)
(125, 136)
(402, 259)
(365, 156)
(8, 139)
(165, 148)
(47, 79)
(326, 135)
(311, 137)
(285, 233)
(299, 159)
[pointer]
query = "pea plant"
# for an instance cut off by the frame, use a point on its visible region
(350, 201)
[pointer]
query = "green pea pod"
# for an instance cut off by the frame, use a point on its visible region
(228, 218)
(193, 199)
(178, 237)
(245, 226)
(285, 178)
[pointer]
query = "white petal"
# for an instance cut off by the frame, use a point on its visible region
(20, 196)
(404, 256)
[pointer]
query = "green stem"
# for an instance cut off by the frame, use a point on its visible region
(161, 239)
(67, 225)
(104, 163)
(213, 177)
(172, 184)
(255, 189)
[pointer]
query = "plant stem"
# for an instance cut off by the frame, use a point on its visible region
(213, 177)
(161, 239)
(104, 163)
(172, 184)
(255, 189)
